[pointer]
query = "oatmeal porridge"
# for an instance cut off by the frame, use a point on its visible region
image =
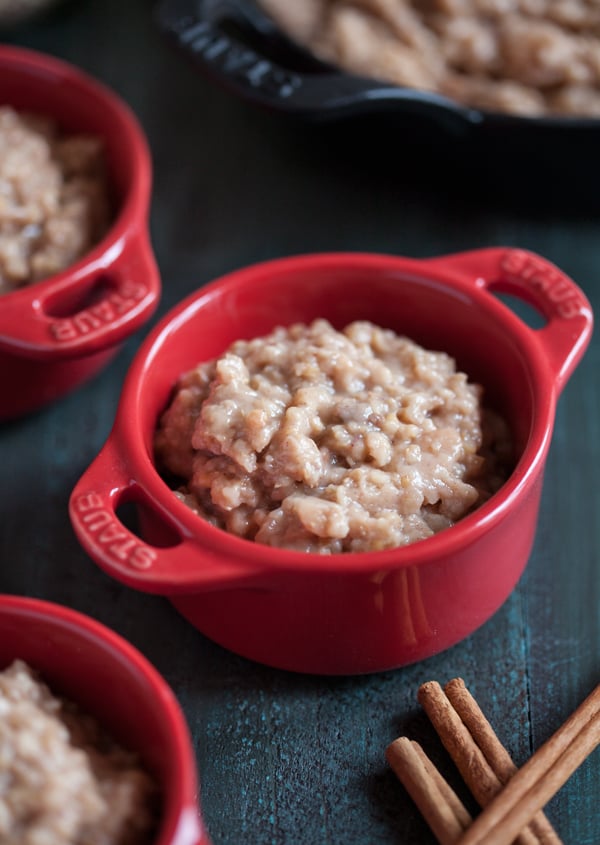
(325, 441)
(63, 781)
(527, 57)
(53, 198)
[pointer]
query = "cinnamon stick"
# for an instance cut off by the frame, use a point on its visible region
(439, 805)
(540, 778)
(448, 794)
(494, 752)
(469, 759)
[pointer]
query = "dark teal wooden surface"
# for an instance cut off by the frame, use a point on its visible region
(297, 759)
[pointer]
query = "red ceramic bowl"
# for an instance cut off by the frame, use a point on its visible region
(91, 665)
(348, 613)
(60, 331)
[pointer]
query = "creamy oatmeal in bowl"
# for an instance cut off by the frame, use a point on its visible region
(524, 57)
(332, 441)
(63, 780)
(306, 603)
(94, 748)
(54, 202)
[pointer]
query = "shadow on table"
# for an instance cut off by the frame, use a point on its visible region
(391, 803)
(551, 173)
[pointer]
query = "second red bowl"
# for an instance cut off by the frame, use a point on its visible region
(92, 666)
(58, 332)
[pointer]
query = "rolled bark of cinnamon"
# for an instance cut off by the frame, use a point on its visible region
(448, 794)
(494, 752)
(540, 778)
(439, 805)
(469, 759)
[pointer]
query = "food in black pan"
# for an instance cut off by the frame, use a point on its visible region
(524, 57)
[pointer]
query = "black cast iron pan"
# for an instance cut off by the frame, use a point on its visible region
(235, 44)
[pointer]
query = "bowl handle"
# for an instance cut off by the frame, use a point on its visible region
(181, 566)
(539, 283)
(79, 313)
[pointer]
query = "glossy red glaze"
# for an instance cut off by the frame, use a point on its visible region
(88, 663)
(358, 612)
(60, 331)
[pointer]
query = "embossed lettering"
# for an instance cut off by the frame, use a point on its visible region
(110, 534)
(241, 62)
(543, 283)
(121, 550)
(88, 501)
(569, 309)
(63, 330)
(135, 290)
(511, 262)
(93, 319)
(557, 290)
(142, 557)
(560, 291)
(104, 311)
(97, 519)
(85, 322)
(120, 304)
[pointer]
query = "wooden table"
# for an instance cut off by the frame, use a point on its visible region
(286, 758)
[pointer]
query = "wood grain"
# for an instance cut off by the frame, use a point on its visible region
(285, 759)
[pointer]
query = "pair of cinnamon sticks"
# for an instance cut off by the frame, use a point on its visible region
(512, 798)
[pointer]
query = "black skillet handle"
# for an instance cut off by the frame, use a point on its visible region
(200, 30)
(237, 46)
